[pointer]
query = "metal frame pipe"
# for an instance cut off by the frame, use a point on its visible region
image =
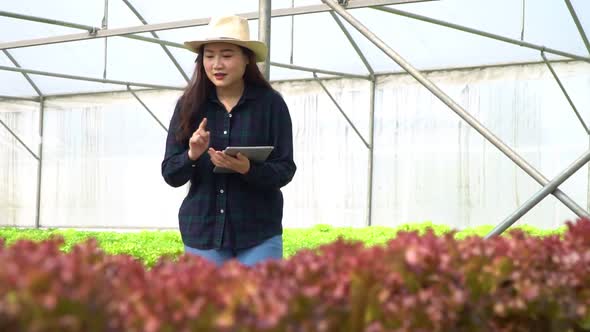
(127, 32)
(572, 11)
(97, 33)
(567, 96)
(18, 139)
(377, 74)
(48, 21)
(435, 70)
(179, 88)
(40, 148)
(147, 108)
(92, 31)
(155, 41)
(99, 80)
(482, 33)
(319, 71)
(292, 34)
(166, 50)
(89, 79)
(5, 98)
(354, 45)
(105, 25)
(40, 162)
(474, 123)
(578, 24)
(523, 20)
(371, 153)
(27, 77)
(538, 197)
(361, 55)
(91, 93)
(264, 31)
(342, 112)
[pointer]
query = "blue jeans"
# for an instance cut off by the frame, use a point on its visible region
(269, 249)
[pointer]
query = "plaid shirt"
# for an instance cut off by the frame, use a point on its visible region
(233, 210)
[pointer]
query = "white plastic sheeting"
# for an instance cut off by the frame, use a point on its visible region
(18, 168)
(430, 165)
(102, 153)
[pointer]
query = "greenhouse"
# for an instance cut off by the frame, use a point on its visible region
(403, 165)
(458, 112)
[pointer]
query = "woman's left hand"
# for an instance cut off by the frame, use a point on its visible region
(240, 163)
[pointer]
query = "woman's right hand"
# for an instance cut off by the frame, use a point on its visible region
(199, 141)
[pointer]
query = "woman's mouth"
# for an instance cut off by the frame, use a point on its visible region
(219, 77)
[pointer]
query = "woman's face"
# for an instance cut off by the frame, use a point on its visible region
(224, 64)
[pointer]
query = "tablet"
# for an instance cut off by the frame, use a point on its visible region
(253, 153)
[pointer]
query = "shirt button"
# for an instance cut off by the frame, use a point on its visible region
(193, 165)
(229, 115)
(225, 132)
(221, 211)
(221, 191)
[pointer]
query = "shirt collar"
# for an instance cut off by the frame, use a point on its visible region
(250, 92)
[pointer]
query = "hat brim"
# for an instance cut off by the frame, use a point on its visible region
(259, 48)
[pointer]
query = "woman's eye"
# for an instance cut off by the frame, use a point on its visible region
(227, 56)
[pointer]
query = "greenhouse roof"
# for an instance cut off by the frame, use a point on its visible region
(70, 47)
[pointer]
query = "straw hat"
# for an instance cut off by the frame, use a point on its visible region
(230, 29)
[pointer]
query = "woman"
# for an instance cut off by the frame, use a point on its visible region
(229, 103)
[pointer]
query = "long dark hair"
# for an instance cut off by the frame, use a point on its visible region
(196, 92)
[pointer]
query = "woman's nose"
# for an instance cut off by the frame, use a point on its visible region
(216, 62)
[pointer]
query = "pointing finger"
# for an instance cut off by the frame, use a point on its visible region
(203, 124)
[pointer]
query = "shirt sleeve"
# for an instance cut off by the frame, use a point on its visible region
(278, 170)
(177, 167)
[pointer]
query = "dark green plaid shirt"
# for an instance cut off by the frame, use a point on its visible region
(233, 210)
